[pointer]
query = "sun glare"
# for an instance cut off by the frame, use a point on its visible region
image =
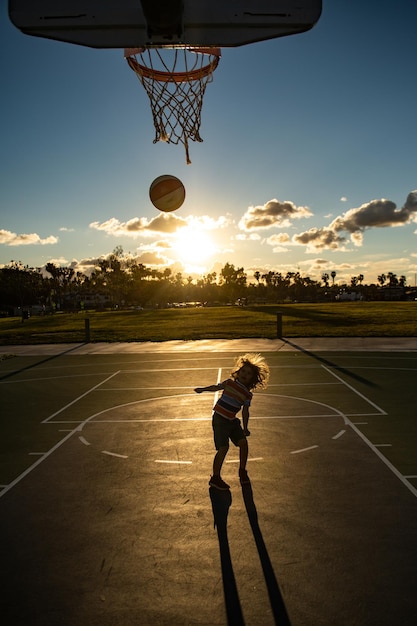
(193, 248)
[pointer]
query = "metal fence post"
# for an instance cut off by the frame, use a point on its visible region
(87, 329)
(279, 324)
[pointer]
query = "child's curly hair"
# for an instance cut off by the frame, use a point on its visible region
(259, 366)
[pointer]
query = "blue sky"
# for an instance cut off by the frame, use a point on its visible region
(308, 161)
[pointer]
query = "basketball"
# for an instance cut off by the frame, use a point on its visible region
(167, 193)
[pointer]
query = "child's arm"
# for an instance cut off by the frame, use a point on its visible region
(245, 417)
(209, 388)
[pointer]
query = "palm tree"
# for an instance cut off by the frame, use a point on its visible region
(392, 278)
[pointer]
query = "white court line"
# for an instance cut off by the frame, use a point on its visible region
(390, 466)
(84, 441)
(166, 369)
(173, 462)
(205, 419)
(45, 421)
(303, 450)
(258, 458)
(374, 448)
(120, 456)
(35, 380)
(36, 453)
(339, 434)
(358, 393)
(55, 447)
(36, 463)
(383, 445)
(219, 380)
(321, 384)
(144, 388)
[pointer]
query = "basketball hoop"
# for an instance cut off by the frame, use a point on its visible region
(175, 80)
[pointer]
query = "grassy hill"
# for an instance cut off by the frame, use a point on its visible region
(338, 319)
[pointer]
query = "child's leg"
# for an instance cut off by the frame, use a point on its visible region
(243, 452)
(218, 460)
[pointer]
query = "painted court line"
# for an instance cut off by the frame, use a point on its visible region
(84, 441)
(201, 419)
(35, 380)
(120, 456)
(45, 421)
(35, 464)
(303, 450)
(390, 466)
(144, 388)
(173, 462)
(320, 384)
(358, 393)
(258, 458)
(339, 434)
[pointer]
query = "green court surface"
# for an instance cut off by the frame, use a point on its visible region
(107, 517)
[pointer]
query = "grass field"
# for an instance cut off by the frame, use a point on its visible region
(352, 319)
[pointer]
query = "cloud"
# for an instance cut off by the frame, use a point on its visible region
(273, 214)
(377, 214)
(164, 223)
(8, 238)
(205, 222)
(320, 239)
(278, 239)
(374, 214)
(278, 242)
(245, 237)
(60, 261)
(152, 257)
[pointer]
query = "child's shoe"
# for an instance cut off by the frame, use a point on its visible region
(216, 481)
(243, 477)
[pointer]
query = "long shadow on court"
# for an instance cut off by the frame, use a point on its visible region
(338, 368)
(221, 502)
(275, 597)
(32, 365)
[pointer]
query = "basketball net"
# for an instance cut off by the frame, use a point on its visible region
(175, 80)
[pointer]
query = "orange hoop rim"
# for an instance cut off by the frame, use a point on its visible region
(177, 77)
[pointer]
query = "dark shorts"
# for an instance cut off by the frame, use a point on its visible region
(225, 429)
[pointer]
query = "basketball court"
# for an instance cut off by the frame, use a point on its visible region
(105, 511)
(107, 517)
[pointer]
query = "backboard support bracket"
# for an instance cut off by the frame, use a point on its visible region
(164, 18)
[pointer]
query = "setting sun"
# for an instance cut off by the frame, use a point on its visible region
(193, 247)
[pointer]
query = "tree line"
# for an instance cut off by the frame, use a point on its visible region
(118, 281)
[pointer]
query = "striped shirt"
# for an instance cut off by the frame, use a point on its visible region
(234, 396)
